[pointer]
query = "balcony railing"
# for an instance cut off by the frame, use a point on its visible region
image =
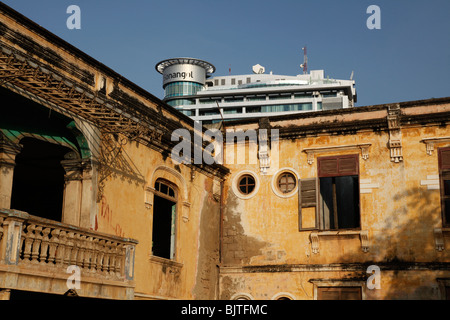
(49, 247)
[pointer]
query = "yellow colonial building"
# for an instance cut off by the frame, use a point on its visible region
(354, 205)
(340, 204)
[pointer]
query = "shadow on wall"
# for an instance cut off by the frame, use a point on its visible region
(402, 245)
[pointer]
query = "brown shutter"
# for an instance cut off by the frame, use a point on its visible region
(339, 293)
(348, 165)
(327, 166)
(444, 158)
(308, 192)
(307, 198)
(338, 166)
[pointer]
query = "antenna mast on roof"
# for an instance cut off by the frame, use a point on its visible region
(304, 65)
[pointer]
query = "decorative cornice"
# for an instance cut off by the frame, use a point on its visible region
(364, 147)
(431, 142)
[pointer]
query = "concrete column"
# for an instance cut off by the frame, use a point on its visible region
(8, 152)
(88, 195)
(79, 192)
(72, 192)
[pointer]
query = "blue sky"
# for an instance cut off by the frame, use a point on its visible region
(407, 59)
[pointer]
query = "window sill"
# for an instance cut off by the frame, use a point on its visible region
(166, 262)
(363, 234)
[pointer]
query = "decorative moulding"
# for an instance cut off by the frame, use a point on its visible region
(395, 134)
(363, 234)
(364, 147)
(430, 142)
(439, 238)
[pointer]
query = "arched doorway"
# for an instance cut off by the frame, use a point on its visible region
(38, 182)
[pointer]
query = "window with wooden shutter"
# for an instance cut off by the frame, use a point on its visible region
(444, 174)
(307, 198)
(339, 192)
(338, 166)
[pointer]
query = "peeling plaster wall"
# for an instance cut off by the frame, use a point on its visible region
(265, 253)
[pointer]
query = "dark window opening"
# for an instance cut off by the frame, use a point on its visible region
(340, 202)
(246, 184)
(38, 182)
(339, 192)
(164, 218)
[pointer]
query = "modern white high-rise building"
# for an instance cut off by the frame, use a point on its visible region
(189, 86)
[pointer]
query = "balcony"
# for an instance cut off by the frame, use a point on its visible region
(35, 255)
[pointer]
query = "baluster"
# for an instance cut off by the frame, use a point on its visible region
(29, 238)
(107, 258)
(112, 259)
(75, 249)
(36, 244)
(44, 246)
(61, 252)
(88, 256)
(101, 254)
(81, 250)
(53, 246)
(68, 248)
(95, 256)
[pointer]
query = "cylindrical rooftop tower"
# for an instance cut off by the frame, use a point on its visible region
(183, 77)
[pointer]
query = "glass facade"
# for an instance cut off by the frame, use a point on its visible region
(180, 102)
(181, 88)
(281, 108)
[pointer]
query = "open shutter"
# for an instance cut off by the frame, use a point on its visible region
(307, 198)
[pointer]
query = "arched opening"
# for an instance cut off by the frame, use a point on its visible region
(38, 182)
(164, 220)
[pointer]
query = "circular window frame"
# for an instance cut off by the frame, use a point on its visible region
(287, 295)
(275, 179)
(235, 184)
(241, 296)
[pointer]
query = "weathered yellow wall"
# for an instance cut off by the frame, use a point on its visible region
(400, 216)
(123, 212)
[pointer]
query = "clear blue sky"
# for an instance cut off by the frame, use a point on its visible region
(407, 59)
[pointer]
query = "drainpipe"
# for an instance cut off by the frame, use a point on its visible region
(220, 240)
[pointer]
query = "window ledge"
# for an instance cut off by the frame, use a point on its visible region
(364, 147)
(430, 142)
(363, 234)
(439, 237)
(166, 262)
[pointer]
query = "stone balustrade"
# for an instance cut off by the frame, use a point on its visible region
(50, 246)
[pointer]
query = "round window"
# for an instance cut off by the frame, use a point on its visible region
(286, 182)
(246, 184)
